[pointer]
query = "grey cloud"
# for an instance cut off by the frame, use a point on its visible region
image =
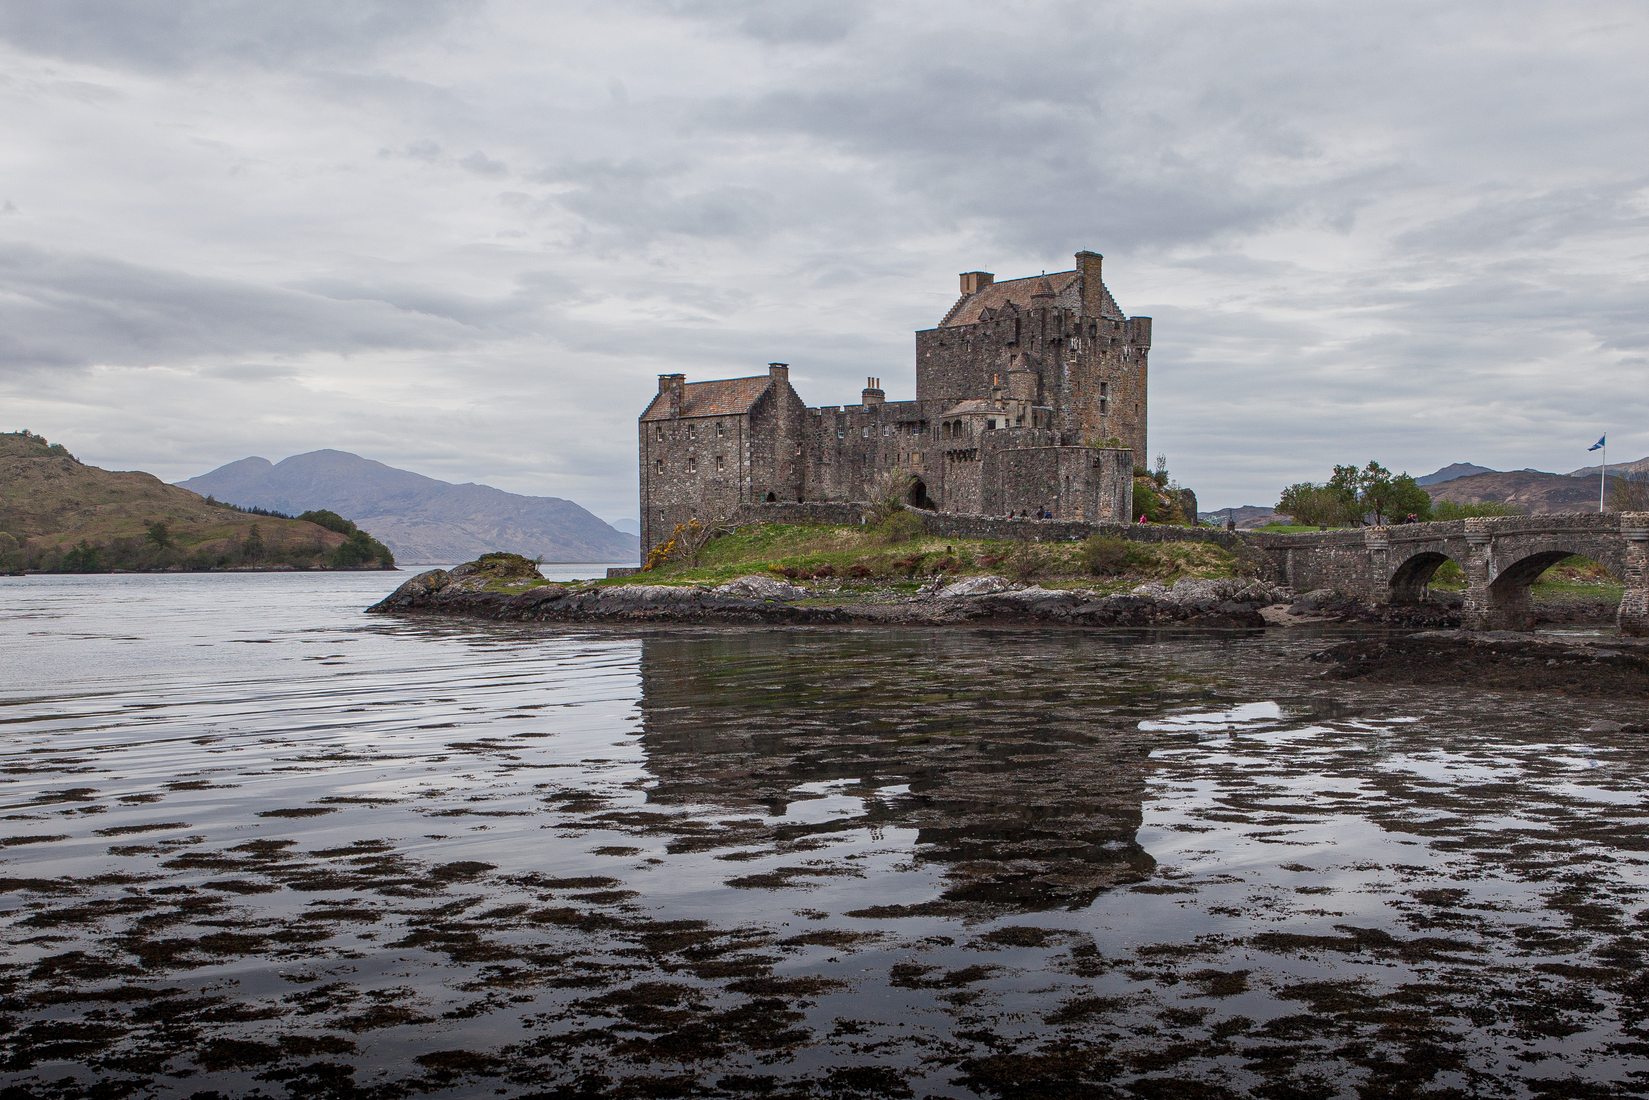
(63, 310)
(776, 21)
(181, 34)
(483, 165)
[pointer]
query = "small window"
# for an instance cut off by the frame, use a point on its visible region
(798, 450)
(721, 429)
(658, 464)
(692, 464)
(718, 464)
(990, 425)
(692, 431)
(659, 433)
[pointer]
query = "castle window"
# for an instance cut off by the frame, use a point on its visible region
(692, 464)
(718, 464)
(864, 432)
(659, 430)
(692, 431)
(720, 429)
(798, 450)
(990, 425)
(658, 465)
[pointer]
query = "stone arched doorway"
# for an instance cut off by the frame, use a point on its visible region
(917, 496)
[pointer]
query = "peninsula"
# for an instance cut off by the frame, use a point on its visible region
(59, 515)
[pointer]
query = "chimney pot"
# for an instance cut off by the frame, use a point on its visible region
(780, 371)
(975, 281)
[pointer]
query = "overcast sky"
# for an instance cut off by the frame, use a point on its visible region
(465, 237)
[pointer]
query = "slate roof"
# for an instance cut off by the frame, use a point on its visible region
(718, 397)
(1066, 287)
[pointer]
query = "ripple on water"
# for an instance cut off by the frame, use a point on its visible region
(451, 858)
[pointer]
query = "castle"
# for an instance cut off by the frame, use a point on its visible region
(1030, 397)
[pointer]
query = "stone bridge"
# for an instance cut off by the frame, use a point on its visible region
(1501, 557)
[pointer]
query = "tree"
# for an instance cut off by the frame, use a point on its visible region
(1319, 504)
(1629, 494)
(253, 548)
(1353, 492)
(159, 534)
(1408, 498)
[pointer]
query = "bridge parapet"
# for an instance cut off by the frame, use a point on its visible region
(1634, 603)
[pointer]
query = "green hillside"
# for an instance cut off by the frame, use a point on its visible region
(58, 514)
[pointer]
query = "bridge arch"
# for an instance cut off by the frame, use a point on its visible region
(1410, 578)
(1508, 601)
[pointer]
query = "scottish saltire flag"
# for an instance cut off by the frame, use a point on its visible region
(1601, 440)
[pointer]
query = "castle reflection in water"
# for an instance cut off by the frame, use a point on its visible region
(1016, 759)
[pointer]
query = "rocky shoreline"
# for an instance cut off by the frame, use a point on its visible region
(477, 591)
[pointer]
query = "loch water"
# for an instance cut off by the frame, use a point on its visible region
(255, 842)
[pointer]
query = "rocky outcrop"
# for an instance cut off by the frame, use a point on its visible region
(474, 591)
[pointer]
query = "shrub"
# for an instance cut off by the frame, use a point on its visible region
(896, 527)
(1024, 562)
(1108, 556)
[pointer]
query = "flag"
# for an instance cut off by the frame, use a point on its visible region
(1601, 440)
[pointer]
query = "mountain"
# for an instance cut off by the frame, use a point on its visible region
(1637, 469)
(420, 518)
(57, 513)
(1451, 472)
(1249, 515)
(1535, 492)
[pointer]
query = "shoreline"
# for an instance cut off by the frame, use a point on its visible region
(478, 590)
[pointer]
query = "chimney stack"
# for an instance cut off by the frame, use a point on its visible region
(975, 281)
(779, 372)
(872, 394)
(672, 385)
(1090, 265)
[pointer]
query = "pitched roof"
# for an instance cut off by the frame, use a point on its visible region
(719, 397)
(1065, 286)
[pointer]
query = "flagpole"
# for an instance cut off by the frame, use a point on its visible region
(1603, 474)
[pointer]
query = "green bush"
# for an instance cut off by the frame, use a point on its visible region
(1108, 556)
(332, 521)
(897, 527)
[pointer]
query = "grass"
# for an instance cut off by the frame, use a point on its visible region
(864, 556)
(1571, 578)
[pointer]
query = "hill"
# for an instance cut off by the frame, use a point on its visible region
(1638, 469)
(1451, 472)
(58, 514)
(1245, 517)
(422, 519)
(1535, 492)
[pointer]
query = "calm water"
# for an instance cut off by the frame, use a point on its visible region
(258, 843)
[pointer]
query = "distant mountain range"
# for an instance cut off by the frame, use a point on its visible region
(421, 519)
(1536, 492)
(58, 514)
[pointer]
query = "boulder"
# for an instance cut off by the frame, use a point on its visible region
(758, 587)
(976, 586)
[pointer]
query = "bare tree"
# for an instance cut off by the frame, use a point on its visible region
(889, 493)
(1629, 494)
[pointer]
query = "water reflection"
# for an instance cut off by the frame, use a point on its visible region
(1023, 786)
